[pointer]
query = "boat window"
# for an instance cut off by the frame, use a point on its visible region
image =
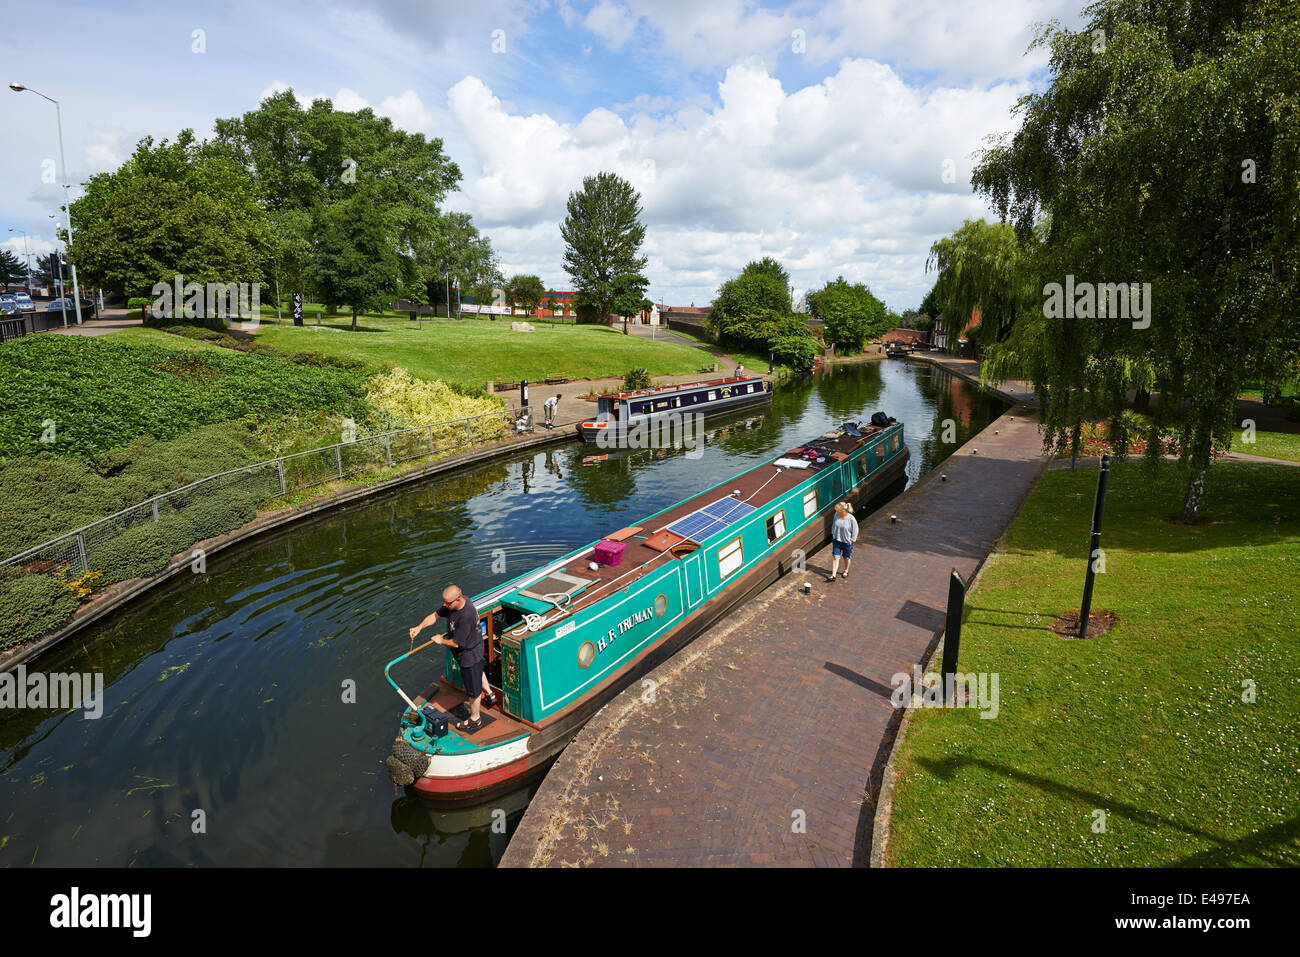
(810, 503)
(677, 403)
(775, 526)
(712, 395)
(862, 465)
(893, 443)
(730, 557)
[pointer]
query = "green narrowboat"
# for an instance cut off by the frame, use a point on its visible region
(563, 639)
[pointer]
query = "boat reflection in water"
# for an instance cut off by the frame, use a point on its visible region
(488, 826)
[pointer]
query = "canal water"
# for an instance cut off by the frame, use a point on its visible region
(228, 734)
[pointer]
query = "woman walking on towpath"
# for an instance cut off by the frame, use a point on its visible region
(844, 532)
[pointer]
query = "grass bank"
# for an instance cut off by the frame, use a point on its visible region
(472, 352)
(1147, 723)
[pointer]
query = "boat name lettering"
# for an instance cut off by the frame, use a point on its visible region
(623, 626)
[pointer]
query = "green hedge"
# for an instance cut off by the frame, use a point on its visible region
(31, 606)
(46, 495)
(140, 551)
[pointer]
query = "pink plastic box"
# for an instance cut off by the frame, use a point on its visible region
(609, 553)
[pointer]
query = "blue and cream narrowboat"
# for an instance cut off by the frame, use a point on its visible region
(563, 639)
(622, 414)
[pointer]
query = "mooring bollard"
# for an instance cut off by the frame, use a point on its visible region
(1095, 546)
(952, 634)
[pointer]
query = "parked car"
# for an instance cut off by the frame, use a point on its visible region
(24, 301)
(87, 307)
(7, 296)
(8, 307)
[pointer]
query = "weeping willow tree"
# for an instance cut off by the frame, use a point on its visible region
(1164, 158)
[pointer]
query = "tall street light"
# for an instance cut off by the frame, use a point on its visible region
(67, 197)
(58, 280)
(27, 254)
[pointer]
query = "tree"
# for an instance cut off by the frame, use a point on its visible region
(767, 266)
(602, 235)
(747, 308)
(1162, 165)
(930, 304)
(850, 314)
(12, 271)
(354, 259)
(526, 292)
(303, 161)
(180, 207)
(982, 266)
(628, 296)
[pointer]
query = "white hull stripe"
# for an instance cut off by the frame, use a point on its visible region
(476, 762)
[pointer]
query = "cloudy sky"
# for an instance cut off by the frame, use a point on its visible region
(818, 133)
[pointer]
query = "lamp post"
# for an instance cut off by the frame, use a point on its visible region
(67, 195)
(27, 256)
(58, 280)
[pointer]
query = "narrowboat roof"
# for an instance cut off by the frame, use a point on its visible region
(649, 545)
(682, 387)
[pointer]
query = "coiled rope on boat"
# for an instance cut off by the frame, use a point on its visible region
(537, 622)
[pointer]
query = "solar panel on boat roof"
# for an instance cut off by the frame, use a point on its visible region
(697, 526)
(728, 510)
(710, 519)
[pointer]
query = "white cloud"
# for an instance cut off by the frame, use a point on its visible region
(612, 22)
(980, 40)
(407, 112)
(842, 176)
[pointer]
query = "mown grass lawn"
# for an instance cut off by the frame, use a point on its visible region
(1147, 723)
(1273, 445)
(471, 352)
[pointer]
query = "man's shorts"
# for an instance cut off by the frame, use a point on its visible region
(472, 674)
(842, 550)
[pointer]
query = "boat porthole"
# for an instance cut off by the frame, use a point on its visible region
(586, 654)
(661, 606)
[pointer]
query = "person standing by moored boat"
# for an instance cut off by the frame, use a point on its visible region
(466, 642)
(844, 532)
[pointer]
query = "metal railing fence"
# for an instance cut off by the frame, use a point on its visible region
(222, 502)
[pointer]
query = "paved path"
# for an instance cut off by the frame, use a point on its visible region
(110, 320)
(764, 740)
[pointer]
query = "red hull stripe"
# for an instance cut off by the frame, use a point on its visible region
(472, 782)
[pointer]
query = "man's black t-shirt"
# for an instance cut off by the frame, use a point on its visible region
(465, 632)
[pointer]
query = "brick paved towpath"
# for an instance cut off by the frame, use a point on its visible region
(763, 741)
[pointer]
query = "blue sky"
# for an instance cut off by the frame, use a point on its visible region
(818, 133)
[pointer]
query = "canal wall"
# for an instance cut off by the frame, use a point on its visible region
(766, 741)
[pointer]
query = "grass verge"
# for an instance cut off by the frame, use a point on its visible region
(1146, 724)
(472, 352)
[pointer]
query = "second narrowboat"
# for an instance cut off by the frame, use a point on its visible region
(621, 415)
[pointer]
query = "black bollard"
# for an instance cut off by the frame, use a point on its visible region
(1095, 547)
(523, 393)
(952, 634)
